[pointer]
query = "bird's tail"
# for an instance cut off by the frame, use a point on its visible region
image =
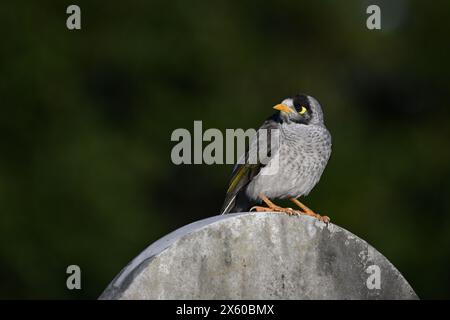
(238, 203)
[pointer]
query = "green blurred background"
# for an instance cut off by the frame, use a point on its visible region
(86, 119)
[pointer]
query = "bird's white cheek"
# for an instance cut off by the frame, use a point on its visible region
(286, 118)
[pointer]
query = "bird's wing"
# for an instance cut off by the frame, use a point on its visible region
(262, 146)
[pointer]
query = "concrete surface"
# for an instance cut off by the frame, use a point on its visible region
(259, 256)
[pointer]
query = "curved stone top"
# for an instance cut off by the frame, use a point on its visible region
(259, 256)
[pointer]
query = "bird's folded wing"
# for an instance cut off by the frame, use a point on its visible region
(263, 146)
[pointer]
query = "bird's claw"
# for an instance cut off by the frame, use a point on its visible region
(291, 212)
(324, 219)
(260, 209)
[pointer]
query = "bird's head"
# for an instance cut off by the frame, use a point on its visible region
(300, 108)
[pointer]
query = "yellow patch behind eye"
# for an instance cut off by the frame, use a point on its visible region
(303, 110)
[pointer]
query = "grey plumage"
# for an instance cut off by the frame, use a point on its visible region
(300, 143)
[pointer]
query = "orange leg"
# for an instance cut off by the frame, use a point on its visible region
(309, 212)
(272, 207)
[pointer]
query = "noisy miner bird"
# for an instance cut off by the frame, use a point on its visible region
(301, 145)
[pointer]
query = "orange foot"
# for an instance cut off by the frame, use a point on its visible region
(309, 212)
(271, 207)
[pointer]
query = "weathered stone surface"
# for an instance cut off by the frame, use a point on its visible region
(258, 256)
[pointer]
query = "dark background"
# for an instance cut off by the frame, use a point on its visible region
(86, 118)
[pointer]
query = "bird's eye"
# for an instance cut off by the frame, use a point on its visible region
(302, 110)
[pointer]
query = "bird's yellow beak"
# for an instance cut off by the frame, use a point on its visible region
(283, 107)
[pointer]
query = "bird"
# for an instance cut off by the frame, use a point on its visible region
(299, 147)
